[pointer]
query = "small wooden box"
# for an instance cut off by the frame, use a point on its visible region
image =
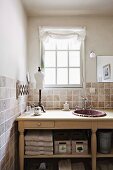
(62, 142)
(79, 147)
(62, 147)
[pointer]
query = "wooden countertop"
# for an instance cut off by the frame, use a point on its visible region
(63, 115)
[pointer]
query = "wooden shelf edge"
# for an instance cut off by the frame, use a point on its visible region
(102, 155)
(58, 156)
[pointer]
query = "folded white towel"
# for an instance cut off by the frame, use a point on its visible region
(37, 135)
(110, 166)
(78, 166)
(33, 153)
(35, 143)
(41, 148)
(65, 164)
(103, 166)
(98, 168)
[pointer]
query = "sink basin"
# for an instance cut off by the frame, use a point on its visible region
(89, 113)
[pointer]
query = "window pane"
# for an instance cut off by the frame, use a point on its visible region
(74, 76)
(74, 44)
(62, 44)
(50, 76)
(74, 58)
(50, 44)
(50, 59)
(62, 58)
(62, 76)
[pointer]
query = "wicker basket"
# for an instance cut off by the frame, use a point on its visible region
(104, 141)
(79, 147)
(62, 143)
(62, 147)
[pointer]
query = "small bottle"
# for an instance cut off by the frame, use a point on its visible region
(28, 108)
(37, 111)
(66, 106)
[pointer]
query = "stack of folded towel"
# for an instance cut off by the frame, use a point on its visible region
(104, 166)
(78, 166)
(38, 142)
(67, 165)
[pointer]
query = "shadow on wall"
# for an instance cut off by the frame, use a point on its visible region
(10, 159)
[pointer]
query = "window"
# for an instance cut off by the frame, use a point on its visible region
(62, 61)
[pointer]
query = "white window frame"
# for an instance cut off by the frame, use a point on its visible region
(82, 68)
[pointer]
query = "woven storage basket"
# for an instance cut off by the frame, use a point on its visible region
(104, 141)
(80, 147)
(62, 143)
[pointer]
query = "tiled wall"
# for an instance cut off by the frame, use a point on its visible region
(55, 98)
(10, 108)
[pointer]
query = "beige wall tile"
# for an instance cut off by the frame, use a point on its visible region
(10, 108)
(101, 98)
(49, 104)
(2, 93)
(103, 93)
(56, 92)
(88, 85)
(87, 92)
(2, 128)
(63, 98)
(100, 91)
(2, 81)
(106, 85)
(2, 117)
(111, 85)
(76, 92)
(111, 98)
(94, 85)
(101, 104)
(111, 104)
(94, 98)
(61, 105)
(69, 98)
(43, 98)
(100, 85)
(63, 92)
(76, 98)
(107, 104)
(56, 105)
(69, 92)
(94, 104)
(111, 90)
(56, 98)
(107, 91)
(107, 97)
(70, 105)
(2, 140)
(49, 98)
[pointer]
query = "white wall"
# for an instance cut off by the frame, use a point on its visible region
(103, 61)
(99, 38)
(13, 39)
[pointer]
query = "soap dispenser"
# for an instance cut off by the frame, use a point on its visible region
(66, 106)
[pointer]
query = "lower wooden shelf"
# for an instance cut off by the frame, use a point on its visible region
(59, 156)
(102, 155)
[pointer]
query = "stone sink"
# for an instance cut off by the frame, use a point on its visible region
(89, 113)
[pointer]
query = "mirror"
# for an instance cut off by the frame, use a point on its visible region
(104, 68)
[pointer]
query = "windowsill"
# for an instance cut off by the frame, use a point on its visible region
(63, 86)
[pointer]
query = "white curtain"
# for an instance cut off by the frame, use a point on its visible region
(59, 33)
